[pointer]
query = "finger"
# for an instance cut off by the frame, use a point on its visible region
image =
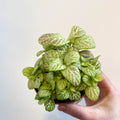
(77, 111)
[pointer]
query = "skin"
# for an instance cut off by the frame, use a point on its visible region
(106, 108)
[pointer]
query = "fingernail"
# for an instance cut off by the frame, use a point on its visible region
(61, 108)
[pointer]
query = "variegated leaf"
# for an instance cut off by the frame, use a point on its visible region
(71, 57)
(72, 74)
(84, 42)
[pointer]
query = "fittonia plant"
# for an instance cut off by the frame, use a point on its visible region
(65, 69)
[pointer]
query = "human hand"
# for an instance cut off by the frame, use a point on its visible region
(106, 108)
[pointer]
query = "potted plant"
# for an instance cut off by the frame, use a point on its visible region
(65, 70)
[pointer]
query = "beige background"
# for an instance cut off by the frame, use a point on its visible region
(23, 21)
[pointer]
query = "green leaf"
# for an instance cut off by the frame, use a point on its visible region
(77, 64)
(49, 57)
(75, 96)
(71, 57)
(72, 74)
(38, 80)
(54, 39)
(58, 40)
(37, 97)
(92, 93)
(98, 71)
(72, 89)
(48, 76)
(35, 70)
(40, 52)
(89, 81)
(76, 31)
(49, 105)
(86, 79)
(86, 54)
(27, 71)
(45, 86)
(30, 84)
(98, 78)
(39, 63)
(52, 83)
(61, 48)
(56, 65)
(32, 77)
(41, 101)
(62, 95)
(61, 84)
(82, 87)
(90, 70)
(84, 42)
(44, 93)
(85, 59)
(95, 60)
(97, 65)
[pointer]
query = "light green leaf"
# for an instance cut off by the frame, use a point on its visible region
(30, 84)
(90, 70)
(28, 71)
(62, 95)
(61, 84)
(44, 93)
(45, 86)
(95, 60)
(75, 96)
(76, 31)
(72, 74)
(38, 80)
(62, 48)
(71, 57)
(39, 63)
(85, 59)
(58, 40)
(48, 57)
(54, 39)
(51, 55)
(89, 81)
(84, 42)
(72, 89)
(86, 54)
(56, 65)
(41, 101)
(98, 71)
(97, 65)
(86, 79)
(35, 70)
(98, 78)
(40, 52)
(52, 83)
(49, 105)
(37, 97)
(48, 76)
(44, 40)
(77, 64)
(92, 93)
(82, 87)
(31, 77)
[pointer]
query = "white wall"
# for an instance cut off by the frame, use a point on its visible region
(23, 21)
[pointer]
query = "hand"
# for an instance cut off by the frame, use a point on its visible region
(106, 108)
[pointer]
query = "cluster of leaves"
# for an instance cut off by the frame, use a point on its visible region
(65, 69)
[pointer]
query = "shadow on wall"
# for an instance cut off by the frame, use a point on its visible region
(58, 115)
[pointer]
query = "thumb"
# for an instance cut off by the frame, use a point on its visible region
(78, 111)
